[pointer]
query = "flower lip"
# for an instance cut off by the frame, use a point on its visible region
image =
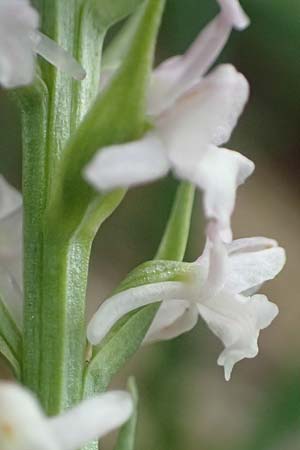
(234, 13)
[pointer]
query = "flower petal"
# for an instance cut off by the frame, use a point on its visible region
(219, 174)
(234, 13)
(203, 117)
(10, 199)
(172, 319)
(237, 321)
(162, 94)
(216, 256)
(91, 419)
(250, 269)
(253, 244)
(17, 60)
(203, 53)
(128, 164)
(57, 56)
(23, 426)
(120, 304)
(178, 74)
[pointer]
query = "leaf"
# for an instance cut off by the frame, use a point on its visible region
(174, 241)
(109, 12)
(157, 272)
(118, 47)
(126, 437)
(97, 16)
(120, 344)
(10, 332)
(10, 358)
(117, 115)
(10, 338)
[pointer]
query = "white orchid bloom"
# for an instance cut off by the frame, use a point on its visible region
(186, 139)
(178, 74)
(20, 41)
(24, 426)
(192, 116)
(220, 291)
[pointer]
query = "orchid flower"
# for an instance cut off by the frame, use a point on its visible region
(221, 290)
(20, 41)
(23, 425)
(192, 116)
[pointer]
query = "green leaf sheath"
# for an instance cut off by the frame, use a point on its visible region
(126, 437)
(10, 339)
(96, 17)
(174, 241)
(120, 344)
(118, 47)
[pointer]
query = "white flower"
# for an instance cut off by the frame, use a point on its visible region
(20, 41)
(23, 425)
(221, 292)
(192, 116)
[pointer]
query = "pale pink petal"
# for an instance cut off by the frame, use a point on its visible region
(234, 13)
(178, 74)
(204, 116)
(23, 425)
(253, 244)
(120, 304)
(248, 270)
(172, 319)
(203, 53)
(237, 321)
(17, 60)
(128, 164)
(57, 56)
(219, 174)
(91, 419)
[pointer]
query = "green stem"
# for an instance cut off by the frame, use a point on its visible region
(63, 321)
(174, 241)
(34, 107)
(56, 263)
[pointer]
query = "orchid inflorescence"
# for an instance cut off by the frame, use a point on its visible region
(191, 111)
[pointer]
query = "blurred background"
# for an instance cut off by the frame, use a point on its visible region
(185, 402)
